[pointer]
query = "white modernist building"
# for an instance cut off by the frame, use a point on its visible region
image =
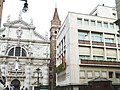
(22, 52)
(88, 46)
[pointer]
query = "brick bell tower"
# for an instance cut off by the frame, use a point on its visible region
(1, 9)
(55, 26)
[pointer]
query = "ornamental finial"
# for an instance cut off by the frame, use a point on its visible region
(31, 21)
(20, 15)
(8, 18)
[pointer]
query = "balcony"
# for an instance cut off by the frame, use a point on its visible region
(100, 63)
(83, 42)
(110, 44)
(97, 43)
(118, 45)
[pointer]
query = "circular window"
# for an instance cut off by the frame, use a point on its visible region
(55, 32)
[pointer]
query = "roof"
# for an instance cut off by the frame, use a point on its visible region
(56, 19)
(15, 22)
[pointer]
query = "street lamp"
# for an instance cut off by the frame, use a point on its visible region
(25, 8)
(38, 72)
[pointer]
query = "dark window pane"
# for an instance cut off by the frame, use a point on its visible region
(23, 52)
(11, 52)
(17, 51)
(110, 74)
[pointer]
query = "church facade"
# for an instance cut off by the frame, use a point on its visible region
(24, 54)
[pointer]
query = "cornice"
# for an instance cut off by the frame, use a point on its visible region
(25, 40)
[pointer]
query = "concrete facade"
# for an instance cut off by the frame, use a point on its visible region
(90, 46)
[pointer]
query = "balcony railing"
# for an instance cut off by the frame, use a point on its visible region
(83, 42)
(97, 43)
(110, 44)
(95, 62)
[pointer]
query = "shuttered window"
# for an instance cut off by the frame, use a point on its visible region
(119, 53)
(111, 53)
(84, 50)
(82, 74)
(97, 74)
(98, 51)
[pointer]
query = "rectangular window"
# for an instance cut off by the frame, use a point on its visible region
(92, 22)
(96, 37)
(79, 21)
(105, 24)
(99, 23)
(86, 21)
(97, 74)
(111, 54)
(98, 58)
(118, 39)
(104, 74)
(82, 74)
(98, 51)
(111, 25)
(82, 35)
(110, 74)
(84, 51)
(90, 74)
(109, 40)
(111, 59)
(117, 74)
(84, 57)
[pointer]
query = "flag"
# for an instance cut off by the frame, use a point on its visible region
(63, 62)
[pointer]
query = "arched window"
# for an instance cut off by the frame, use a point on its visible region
(17, 51)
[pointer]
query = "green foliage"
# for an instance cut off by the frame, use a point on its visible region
(60, 68)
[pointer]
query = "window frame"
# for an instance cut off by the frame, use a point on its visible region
(14, 52)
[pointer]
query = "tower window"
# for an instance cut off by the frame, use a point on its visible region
(3, 35)
(55, 32)
(17, 51)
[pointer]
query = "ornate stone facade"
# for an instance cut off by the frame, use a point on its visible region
(22, 51)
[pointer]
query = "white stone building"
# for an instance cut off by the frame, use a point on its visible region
(22, 51)
(89, 47)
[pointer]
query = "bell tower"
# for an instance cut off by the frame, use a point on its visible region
(1, 9)
(55, 26)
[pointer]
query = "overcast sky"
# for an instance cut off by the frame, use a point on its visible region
(41, 11)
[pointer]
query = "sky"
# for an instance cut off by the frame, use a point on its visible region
(41, 11)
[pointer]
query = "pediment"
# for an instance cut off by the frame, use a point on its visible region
(25, 27)
(37, 35)
(17, 23)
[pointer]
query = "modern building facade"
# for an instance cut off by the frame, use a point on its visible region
(88, 46)
(55, 26)
(24, 54)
